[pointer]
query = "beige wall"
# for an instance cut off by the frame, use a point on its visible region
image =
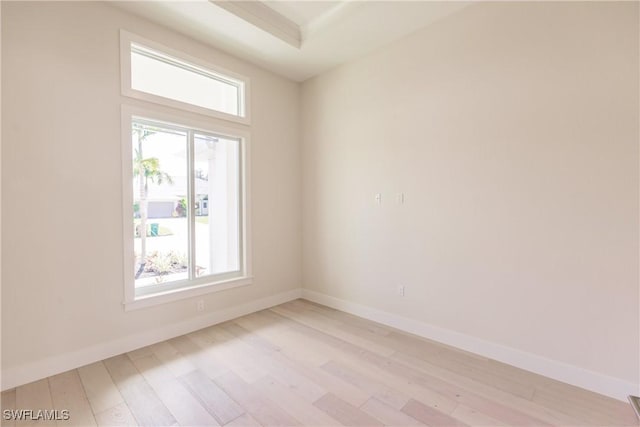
(512, 130)
(61, 181)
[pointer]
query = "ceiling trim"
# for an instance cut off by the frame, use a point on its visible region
(328, 18)
(265, 18)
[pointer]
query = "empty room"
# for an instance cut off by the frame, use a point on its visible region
(320, 213)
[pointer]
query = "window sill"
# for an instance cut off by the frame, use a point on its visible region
(184, 293)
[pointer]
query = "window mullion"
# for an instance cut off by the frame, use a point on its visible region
(191, 215)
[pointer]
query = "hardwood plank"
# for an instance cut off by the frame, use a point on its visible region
(388, 415)
(518, 374)
(322, 342)
(374, 366)
(581, 407)
(409, 344)
(380, 391)
(494, 409)
(309, 375)
(489, 366)
(254, 340)
(425, 387)
(430, 416)
(119, 415)
(172, 358)
(331, 384)
(476, 418)
(474, 365)
(345, 318)
(459, 360)
(141, 352)
(300, 306)
(293, 404)
(216, 401)
(590, 398)
(430, 390)
(409, 384)
(347, 414)
(514, 402)
(479, 371)
(201, 356)
(262, 409)
(315, 322)
(211, 360)
(278, 367)
(99, 387)
(182, 404)
(8, 399)
(68, 393)
(144, 403)
(233, 353)
(290, 343)
(35, 396)
(244, 420)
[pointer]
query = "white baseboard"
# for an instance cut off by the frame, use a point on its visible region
(34, 371)
(594, 381)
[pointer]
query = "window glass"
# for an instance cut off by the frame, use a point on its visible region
(186, 206)
(162, 75)
(217, 205)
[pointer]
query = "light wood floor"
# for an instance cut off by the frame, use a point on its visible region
(305, 364)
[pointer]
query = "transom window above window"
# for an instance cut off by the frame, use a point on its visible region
(158, 74)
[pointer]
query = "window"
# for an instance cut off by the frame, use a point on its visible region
(185, 185)
(158, 74)
(185, 206)
(185, 175)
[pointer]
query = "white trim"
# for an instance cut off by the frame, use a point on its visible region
(330, 18)
(245, 182)
(265, 18)
(183, 118)
(28, 372)
(128, 254)
(126, 38)
(195, 287)
(574, 375)
(185, 292)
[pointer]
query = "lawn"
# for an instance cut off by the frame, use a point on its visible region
(203, 219)
(166, 231)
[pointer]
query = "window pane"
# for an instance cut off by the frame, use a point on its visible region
(159, 196)
(217, 190)
(151, 72)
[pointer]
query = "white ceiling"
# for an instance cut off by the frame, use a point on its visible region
(296, 39)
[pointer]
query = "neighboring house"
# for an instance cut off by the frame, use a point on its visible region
(202, 208)
(163, 199)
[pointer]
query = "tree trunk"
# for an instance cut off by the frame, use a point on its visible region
(143, 211)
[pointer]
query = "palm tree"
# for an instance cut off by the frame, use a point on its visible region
(146, 170)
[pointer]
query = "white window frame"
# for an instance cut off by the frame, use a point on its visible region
(127, 38)
(198, 286)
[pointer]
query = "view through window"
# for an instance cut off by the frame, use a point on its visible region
(186, 206)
